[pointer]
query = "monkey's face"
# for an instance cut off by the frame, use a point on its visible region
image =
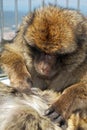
(45, 65)
(52, 38)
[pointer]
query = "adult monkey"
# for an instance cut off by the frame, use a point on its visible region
(49, 51)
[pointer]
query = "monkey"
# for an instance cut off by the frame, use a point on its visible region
(21, 111)
(25, 111)
(49, 51)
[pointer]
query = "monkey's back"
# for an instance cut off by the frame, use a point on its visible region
(21, 111)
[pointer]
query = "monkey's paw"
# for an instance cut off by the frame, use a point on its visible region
(23, 85)
(55, 116)
(61, 110)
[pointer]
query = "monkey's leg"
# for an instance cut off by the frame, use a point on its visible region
(72, 99)
(14, 65)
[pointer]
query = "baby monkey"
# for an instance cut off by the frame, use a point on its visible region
(21, 111)
(50, 52)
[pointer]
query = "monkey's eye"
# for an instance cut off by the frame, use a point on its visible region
(33, 49)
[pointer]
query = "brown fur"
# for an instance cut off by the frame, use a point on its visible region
(25, 111)
(59, 37)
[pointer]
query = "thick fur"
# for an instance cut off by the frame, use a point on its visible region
(20, 111)
(51, 31)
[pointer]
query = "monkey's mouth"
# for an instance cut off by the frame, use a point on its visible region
(44, 76)
(45, 73)
(46, 68)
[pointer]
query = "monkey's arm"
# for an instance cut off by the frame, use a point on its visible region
(72, 99)
(14, 65)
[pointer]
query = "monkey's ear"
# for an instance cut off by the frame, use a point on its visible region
(29, 18)
(27, 21)
(81, 32)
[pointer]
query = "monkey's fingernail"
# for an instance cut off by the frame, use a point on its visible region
(49, 111)
(28, 80)
(59, 119)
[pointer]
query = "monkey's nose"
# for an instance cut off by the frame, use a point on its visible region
(45, 69)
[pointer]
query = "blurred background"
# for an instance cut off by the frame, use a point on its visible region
(12, 12)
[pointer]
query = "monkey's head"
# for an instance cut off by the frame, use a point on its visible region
(51, 36)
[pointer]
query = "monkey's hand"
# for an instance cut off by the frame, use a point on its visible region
(14, 65)
(73, 99)
(23, 85)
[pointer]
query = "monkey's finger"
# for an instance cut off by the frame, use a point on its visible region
(49, 111)
(60, 120)
(53, 116)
